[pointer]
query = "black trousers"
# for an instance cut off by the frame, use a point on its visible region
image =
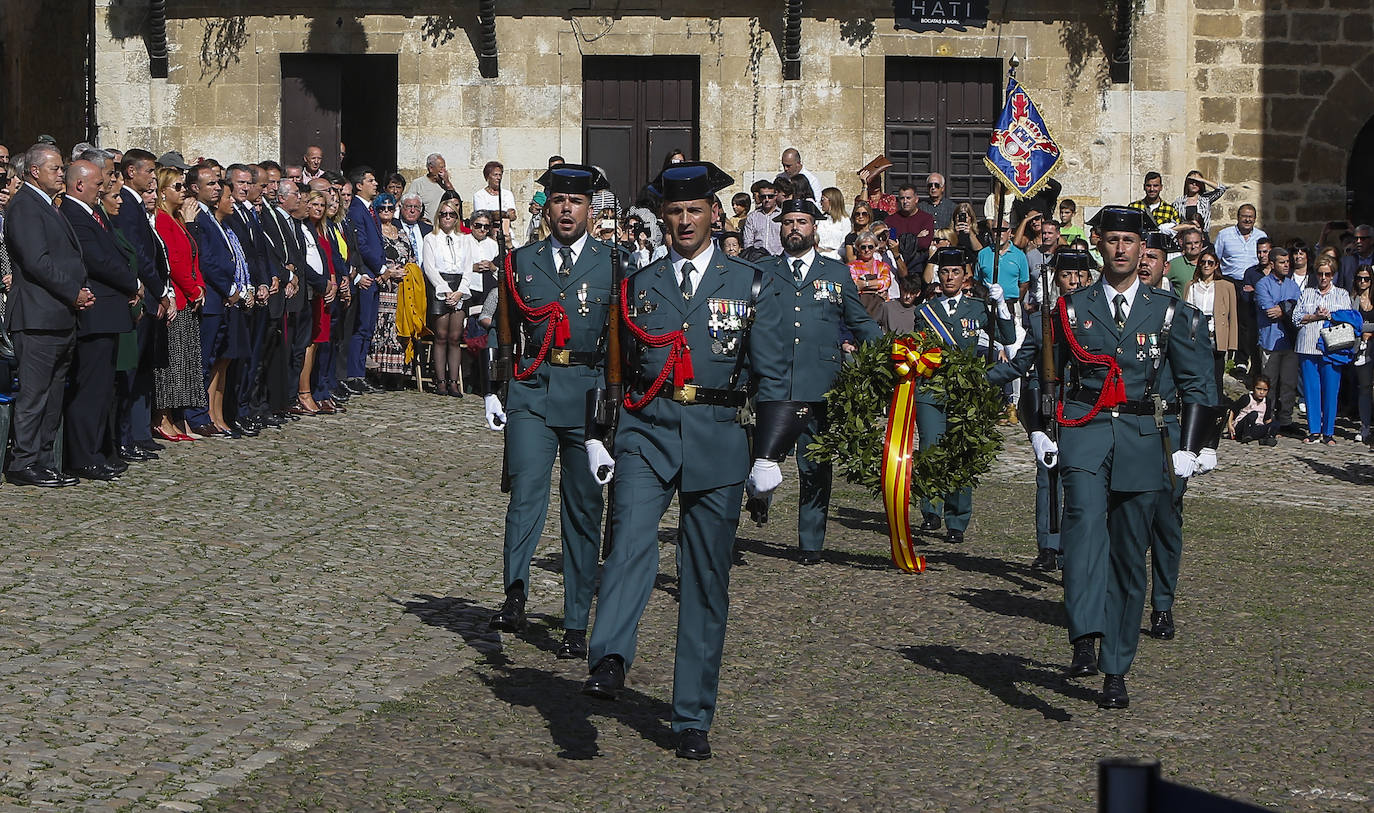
(90, 399)
(134, 398)
(300, 326)
(44, 358)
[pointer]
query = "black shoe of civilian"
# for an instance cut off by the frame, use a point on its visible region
(1047, 559)
(67, 479)
(1269, 441)
(1292, 430)
(149, 445)
(355, 386)
(286, 417)
(96, 471)
(209, 430)
(341, 393)
(135, 454)
(116, 465)
(35, 476)
(268, 420)
(247, 426)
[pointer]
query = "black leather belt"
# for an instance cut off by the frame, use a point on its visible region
(1089, 397)
(692, 394)
(570, 358)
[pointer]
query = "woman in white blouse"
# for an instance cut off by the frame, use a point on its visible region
(830, 233)
(1321, 377)
(1218, 304)
(444, 264)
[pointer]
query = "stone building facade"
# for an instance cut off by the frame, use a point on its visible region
(1268, 97)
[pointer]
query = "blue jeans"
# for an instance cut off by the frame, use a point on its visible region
(1321, 382)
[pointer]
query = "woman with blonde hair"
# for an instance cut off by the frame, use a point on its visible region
(830, 233)
(860, 218)
(179, 385)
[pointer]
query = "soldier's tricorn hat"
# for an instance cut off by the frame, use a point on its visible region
(1161, 240)
(690, 180)
(1122, 218)
(1070, 260)
(573, 179)
(805, 206)
(950, 256)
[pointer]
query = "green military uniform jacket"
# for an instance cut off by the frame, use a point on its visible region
(558, 394)
(1185, 375)
(705, 444)
(810, 315)
(970, 318)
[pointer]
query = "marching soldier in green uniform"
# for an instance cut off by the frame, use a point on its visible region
(1132, 370)
(1071, 269)
(813, 297)
(1166, 532)
(957, 319)
(693, 350)
(559, 288)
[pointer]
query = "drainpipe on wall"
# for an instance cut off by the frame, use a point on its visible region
(486, 22)
(157, 39)
(92, 125)
(791, 40)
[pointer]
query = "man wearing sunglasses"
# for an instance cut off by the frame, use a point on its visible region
(759, 229)
(939, 207)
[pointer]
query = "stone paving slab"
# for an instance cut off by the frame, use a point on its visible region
(298, 622)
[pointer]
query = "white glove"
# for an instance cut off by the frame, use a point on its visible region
(599, 461)
(1185, 464)
(1046, 450)
(995, 293)
(763, 478)
(496, 416)
(1206, 461)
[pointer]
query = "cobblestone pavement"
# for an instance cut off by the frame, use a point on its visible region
(298, 622)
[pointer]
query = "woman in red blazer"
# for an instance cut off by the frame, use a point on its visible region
(181, 383)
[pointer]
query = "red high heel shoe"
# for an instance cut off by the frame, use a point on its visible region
(158, 432)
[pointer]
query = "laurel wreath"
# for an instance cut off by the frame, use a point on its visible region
(857, 411)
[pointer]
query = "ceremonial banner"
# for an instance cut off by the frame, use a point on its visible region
(1021, 153)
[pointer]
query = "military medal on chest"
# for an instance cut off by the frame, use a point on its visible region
(582, 300)
(727, 320)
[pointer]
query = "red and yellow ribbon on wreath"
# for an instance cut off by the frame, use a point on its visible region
(911, 364)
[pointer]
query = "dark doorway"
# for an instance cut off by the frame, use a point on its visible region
(331, 98)
(635, 110)
(939, 118)
(1359, 177)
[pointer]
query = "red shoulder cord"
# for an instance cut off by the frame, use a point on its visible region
(679, 361)
(559, 332)
(1113, 388)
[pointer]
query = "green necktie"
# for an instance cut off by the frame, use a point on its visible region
(1120, 305)
(686, 285)
(565, 267)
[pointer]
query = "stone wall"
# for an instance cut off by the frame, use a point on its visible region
(1280, 89)
(222, 96)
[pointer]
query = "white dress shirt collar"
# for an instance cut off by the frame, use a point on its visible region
(577, 246)
(699, 264)
(1129, 293)
(41, 193)
(808, 259)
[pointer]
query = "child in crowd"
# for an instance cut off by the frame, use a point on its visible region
(899, 315)
(1250, 418)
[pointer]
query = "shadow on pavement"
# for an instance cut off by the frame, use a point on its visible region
(559, 700)
(860, 520)
(1357, 473)
(469, 620)
(999, 674)
(1010, 604)
(1021, 575)
(860, 561)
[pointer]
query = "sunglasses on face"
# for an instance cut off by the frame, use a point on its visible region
(1325, 274)
(933, 186)
(1207, 262)
(867, 248)
(1362, 279)
(449, 214)
(178, 186)
(386, 208)
(481, 225)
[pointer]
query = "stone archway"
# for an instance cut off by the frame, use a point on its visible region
(1359, 176)
(1340, 129)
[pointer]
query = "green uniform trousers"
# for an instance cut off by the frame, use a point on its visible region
(531, 446)
(1166, 545)
(815, 478)
(956, 508)
(1105, 536)
(706, 541)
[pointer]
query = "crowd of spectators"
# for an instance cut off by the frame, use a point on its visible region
(216, 300)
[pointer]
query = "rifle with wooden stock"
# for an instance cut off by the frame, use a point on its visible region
(603, 403)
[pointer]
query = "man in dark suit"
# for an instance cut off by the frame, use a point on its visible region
(115, 285)
(134, 402)
(369, 246)
(412, 209)
(49, 290)
(217, 267)
(242, 186)
(308, 285)
(285, 262)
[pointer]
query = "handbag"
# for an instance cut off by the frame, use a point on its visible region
(1338, 336)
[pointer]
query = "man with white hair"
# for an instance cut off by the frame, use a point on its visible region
(412, 209)
(432, 186)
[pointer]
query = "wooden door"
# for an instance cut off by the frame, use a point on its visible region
(939, 118)
(311, 105)
(636, 110)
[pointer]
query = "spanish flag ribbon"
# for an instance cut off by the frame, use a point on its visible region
(899, 446)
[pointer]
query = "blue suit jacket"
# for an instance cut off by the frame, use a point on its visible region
(809, 316)
(367, 236)
(216, 263)
(132, 222)
(704, 444)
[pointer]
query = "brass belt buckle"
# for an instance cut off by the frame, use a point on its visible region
(686, 394)
(562, 358)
